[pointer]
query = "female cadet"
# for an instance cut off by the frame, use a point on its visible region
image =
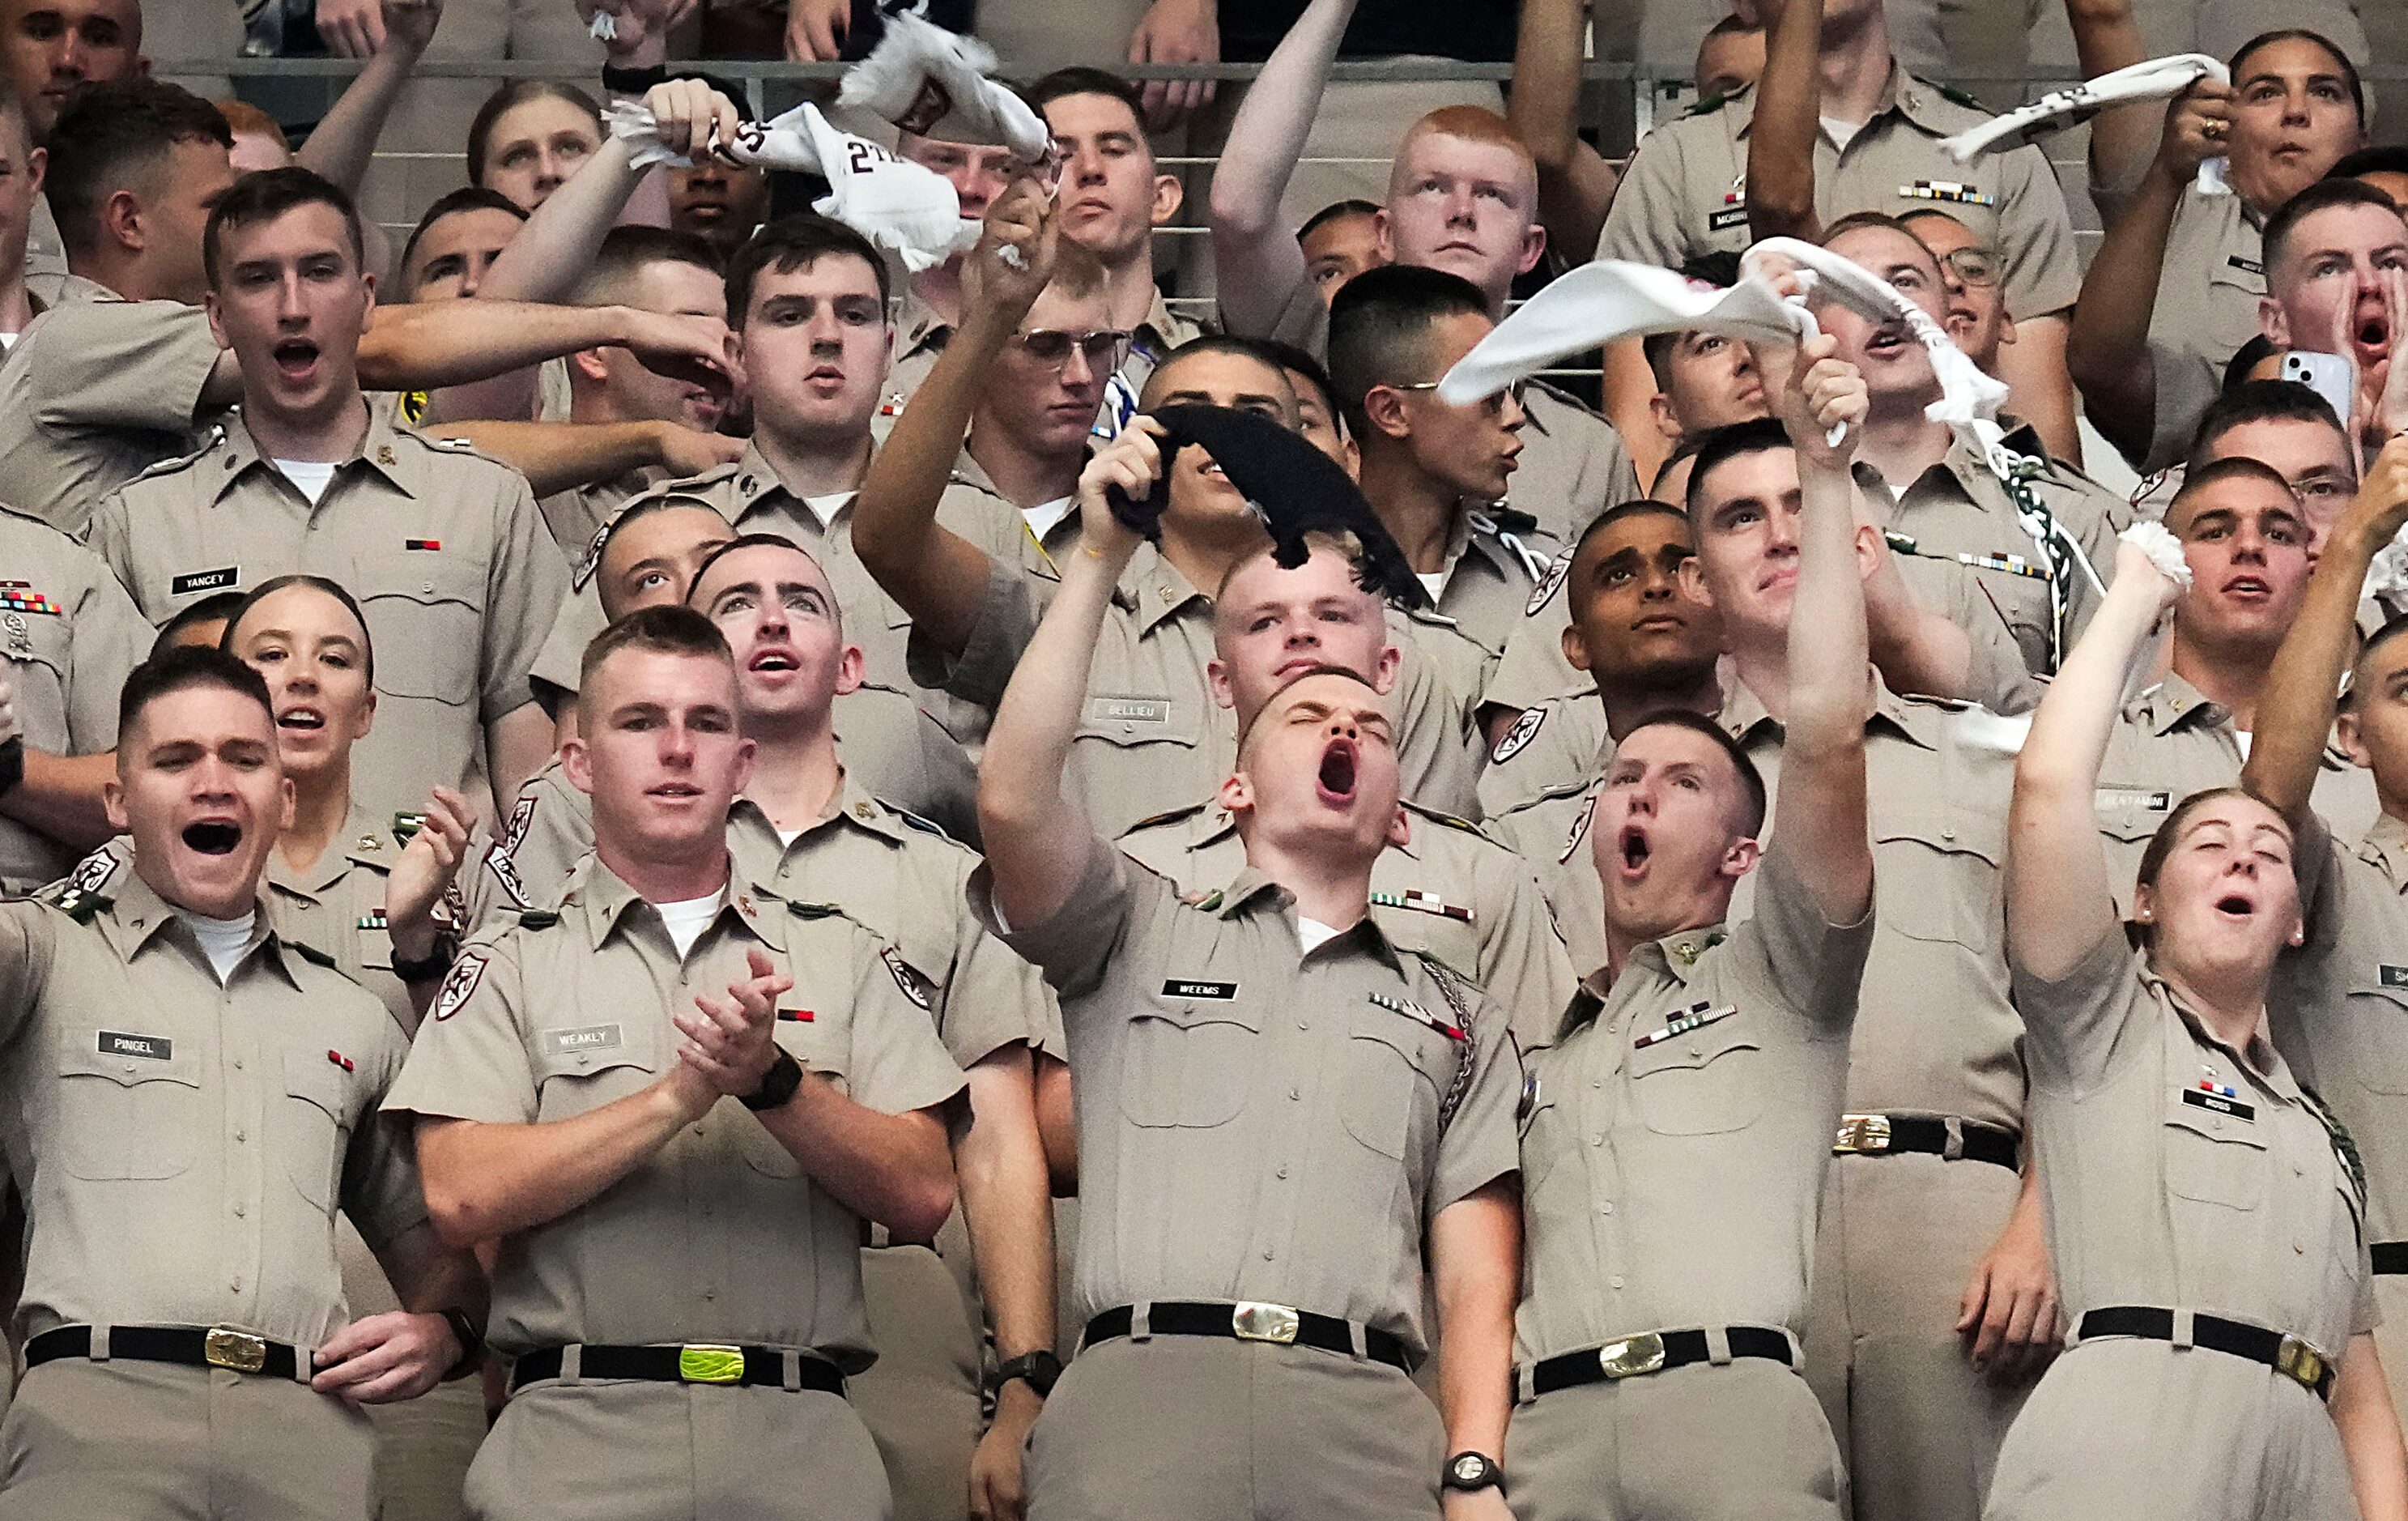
(347, 886)
(2204, 1209)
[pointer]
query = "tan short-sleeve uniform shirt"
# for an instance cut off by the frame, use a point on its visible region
(69, 634)
(1685, 191)
(96, 391)
(718, 1237)
(1451, 892)
(183, 1145)
(2195, 328)
(1679, 1125)
(442, 547)
(1257, 1122)
(337, 908)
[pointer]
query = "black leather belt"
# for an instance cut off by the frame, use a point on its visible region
(1876, 1135)
(1252, 1321)
(1633, 1356)
(194, 1346)
(742, 1367)
(2292, 1357)
(2389, 1256)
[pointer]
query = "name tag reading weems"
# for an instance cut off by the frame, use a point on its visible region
(1177, 988)
(157, 1048)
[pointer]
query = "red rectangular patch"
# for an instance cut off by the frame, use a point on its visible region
(422, 543)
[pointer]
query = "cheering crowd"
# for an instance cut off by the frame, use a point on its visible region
(741, 832)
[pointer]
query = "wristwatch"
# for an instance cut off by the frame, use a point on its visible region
(1469, 1471)
(777, 1084)
(472, 1344)
(1039, 1370)
(438, 961)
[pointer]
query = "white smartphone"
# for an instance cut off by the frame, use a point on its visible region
(2329, 376)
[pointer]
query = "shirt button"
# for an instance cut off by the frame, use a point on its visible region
(1268, 1255)
(1615, 1280)
(1295, 1093)
(1283, 1172)
(1605, 1208)
(1947, 834)
(1304, 1024)
(708, 1294)
(238, 1064)
(240, 1135)
(236, 1285)
(1597, 1139)
(239, 1211)
(1597, 1082)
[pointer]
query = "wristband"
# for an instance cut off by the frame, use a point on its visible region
(632, 79)
(437, 961)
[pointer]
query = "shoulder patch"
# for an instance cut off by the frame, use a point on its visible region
(1545, 591)
(411, 406)
(459, 983)
(1580, 828)
(506, 872)
(592, 559)
(1517, 739)
(521, 814)
(91, 873)
(905, 977)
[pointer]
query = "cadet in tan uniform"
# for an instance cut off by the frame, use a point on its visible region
(443, 547)
(1154, 732)
(192, 1096)
(2207, 1212)
(2334, 1009)
(1254, 1197)
(2246, 546)
(1437, 474)
(370, 897)
(808, 296)
(69, 634)
(1685, 192)
(810, 832)
(1713, 1050)
(677, 1279)
(2149, 352)
(122, 370)
(1462, 198)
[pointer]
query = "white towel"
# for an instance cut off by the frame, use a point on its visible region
(934, 83)
(2160, 79)
(893, 203)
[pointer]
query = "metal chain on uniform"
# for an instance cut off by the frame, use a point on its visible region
(1459, 1007)
(2017, 472)
(2345, 1148)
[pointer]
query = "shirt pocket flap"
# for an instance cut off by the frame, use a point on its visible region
(1696, 1051)
(314, 1078)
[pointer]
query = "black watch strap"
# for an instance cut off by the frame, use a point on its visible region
(777, 1084)
(1039, 1370)
(633, 79)
(1470, 1471)
(472, 1344)
(437, 962)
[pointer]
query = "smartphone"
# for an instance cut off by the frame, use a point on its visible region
(2329, 376)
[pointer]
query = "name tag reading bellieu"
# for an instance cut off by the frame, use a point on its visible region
(157, 1048)
(1129, 710)
(591, 1038)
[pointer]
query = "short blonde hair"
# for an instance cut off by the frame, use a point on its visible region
(244, 118)
(1471, 124)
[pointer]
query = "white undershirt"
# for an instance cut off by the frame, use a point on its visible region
(8, 341)
(223, 940)
(1047, 516)
(312, 475)
(826, 508)
(787, 836)
(1433, 582)
(686, 920)
(1312, 933)
(1841, 131)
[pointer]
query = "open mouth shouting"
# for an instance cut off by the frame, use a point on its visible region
(299, 720)
(1334, 781)
(776, 659)
(2372, 337)
(2236, 907)
(213, 836)
(296, 360)
(1631, 851)
(2253, 590)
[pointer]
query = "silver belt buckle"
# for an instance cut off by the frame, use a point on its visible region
(1255, 1321)
(1632, 1355)
(1860, 1133)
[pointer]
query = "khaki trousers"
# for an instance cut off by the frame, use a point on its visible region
(157, 1441)
(920, 1398)
(424, 1446)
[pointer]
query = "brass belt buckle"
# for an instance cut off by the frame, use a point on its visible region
(1861, 1133)
(2300, 1361)
(238, 1351)
(1632, 1355)
(1255, 1321)
(710, 1365)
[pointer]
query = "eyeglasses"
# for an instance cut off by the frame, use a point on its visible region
(1104, 348)
(1517, 391)
(1974, 266)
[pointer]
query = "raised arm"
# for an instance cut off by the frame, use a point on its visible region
(1038, 839)
(2106, 37)
(555, 248)
(1576, 184)
(1787, 124)
(2107, 347)
(1255, 256)
(2296, 711)
(2059, 901)
(563, 456)
(933, 574)
(1823, 756)
(346, 138)
(428, 344)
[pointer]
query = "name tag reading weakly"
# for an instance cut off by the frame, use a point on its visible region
(591, 1038)
(157, 1048)
(1178, 987)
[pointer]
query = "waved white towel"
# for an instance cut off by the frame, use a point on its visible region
(935, 83)
(2160, 79)
(893, 203)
